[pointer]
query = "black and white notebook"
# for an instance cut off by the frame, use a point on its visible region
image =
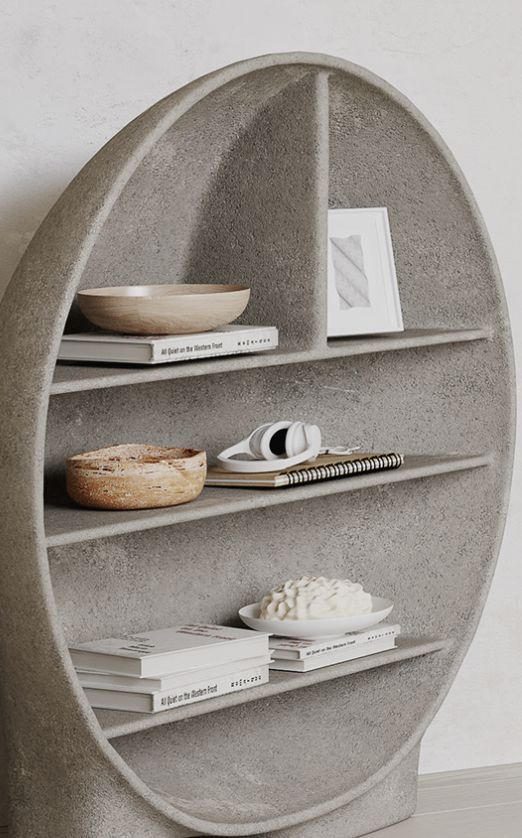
(324, 467)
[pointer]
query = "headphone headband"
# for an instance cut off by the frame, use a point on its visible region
(301, 442)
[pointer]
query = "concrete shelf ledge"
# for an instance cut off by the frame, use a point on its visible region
(74, 378)
(117, 723)
(66, 523)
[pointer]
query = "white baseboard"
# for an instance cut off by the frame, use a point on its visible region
(470, 788)
(501, 772)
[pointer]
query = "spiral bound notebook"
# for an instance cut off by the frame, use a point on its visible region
(324, 467)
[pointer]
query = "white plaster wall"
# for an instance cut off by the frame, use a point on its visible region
(73, 72)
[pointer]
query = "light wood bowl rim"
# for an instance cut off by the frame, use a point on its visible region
(152, 292)
(144, 454)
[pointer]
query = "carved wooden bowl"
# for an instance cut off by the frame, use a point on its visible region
(136, 477)
(163, 309)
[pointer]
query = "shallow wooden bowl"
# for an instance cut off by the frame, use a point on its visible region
(163, 309)
(136, 477)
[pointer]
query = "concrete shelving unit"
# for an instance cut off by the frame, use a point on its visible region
(230, 179)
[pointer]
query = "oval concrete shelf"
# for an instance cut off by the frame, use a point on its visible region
(65, 523)
(74, 378)
(228, 180)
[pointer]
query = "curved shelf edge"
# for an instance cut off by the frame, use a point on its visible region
(68, 524)
(74, 378)
(122, 723)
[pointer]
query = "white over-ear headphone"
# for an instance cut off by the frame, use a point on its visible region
(271, 447)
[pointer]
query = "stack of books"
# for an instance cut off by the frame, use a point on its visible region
(104, 347)
(156, 671)
(294, 655)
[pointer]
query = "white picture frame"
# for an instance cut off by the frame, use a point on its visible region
(363, 295)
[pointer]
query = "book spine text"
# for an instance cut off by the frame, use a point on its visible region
(334, 645)
(222, 344)
(210, 689)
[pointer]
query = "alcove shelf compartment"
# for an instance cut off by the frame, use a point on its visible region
(73, 378)
(231, 179)
(67, 523)
(118, 723)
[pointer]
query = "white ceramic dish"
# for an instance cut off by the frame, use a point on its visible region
(311, 629)
(163, 309)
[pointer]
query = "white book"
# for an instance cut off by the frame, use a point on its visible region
(127, 683)
(340, 656)
(162, 349)
(294, 649)
(154, 702)
(169, 650)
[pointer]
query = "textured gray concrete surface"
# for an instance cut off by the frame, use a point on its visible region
(66, 523)
(71, 377)
(121, 723)
(229, 179)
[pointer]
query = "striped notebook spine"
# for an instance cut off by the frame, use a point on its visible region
(346, 469)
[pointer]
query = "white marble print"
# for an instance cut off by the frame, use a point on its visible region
(351, 282)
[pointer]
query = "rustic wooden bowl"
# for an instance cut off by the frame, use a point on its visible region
(163, 309)
(136, 477)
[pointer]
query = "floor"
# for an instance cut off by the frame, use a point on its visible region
(479, 803)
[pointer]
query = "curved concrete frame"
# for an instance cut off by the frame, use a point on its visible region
(65, 776)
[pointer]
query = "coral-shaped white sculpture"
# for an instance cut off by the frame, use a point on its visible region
(314, 598)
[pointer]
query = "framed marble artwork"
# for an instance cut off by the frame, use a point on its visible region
(363, 296)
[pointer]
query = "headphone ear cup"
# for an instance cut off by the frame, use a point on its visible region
(295, 442)
(302, 438)
(255, 440)
(272, 441)
(313, 439)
